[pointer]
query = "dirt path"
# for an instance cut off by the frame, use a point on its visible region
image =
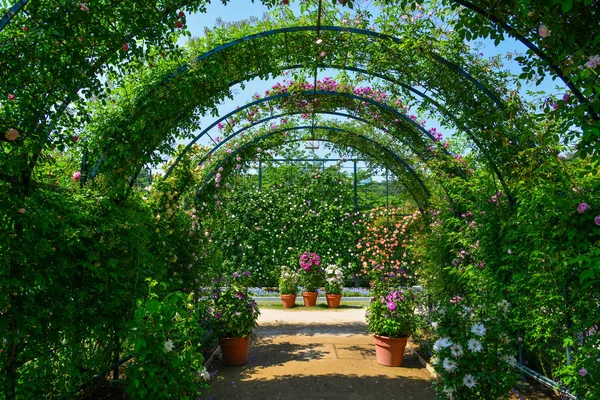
(318, 355)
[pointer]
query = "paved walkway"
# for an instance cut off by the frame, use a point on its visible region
(318, 355)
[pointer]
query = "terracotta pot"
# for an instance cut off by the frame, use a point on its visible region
(390, 351)
(234, 350)
(288, 300)
(310, 298)
(333, 300)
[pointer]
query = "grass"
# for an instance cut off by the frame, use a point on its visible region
(348, 305)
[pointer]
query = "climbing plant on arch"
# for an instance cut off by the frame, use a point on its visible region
(56, 56)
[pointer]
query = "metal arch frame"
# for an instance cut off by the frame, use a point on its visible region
(12, 12)
(5, 20)
(450, 65)
(328, 128)
(306, 93)
(269, 118)
(443, 110)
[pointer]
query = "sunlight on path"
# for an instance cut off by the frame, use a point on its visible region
(318, 355)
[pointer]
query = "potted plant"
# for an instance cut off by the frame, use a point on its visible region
(334, 278)
(235, 316)
(310, 277)
(288, 286)
(391, 319)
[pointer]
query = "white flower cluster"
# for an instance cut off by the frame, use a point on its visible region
(334, 275)
(290, 276)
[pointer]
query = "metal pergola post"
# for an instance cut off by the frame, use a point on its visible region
(260, 175)
(355, 187)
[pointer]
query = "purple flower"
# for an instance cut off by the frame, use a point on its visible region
(391, 306)
(582, 207)
(566, 97)
(239, 295)
(597, 220)
(247, 273)
(583, 372)
(236, 274)
(218, 315)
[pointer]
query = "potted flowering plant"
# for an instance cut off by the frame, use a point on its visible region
(235, 316)
(334, 278)
(392, 320)
(310, 277)
(288, 286)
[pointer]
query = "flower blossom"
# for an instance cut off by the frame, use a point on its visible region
(11, 134)
(582, 207)
(442, 344)
(456, 350)
(593, 62)
(544, 31)
(478, 329)
(469, 381)
(169, 345)
(449, 365)
(474, 345)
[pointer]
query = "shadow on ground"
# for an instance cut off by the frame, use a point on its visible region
(331, 387)
(329, 368)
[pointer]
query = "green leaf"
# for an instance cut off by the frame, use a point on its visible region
(567, 5)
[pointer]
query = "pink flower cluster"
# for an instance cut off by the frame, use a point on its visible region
(307, 260)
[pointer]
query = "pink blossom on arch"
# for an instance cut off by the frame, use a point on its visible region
(582, 207)
(76, 176)
(544, 31)
(593, 62)
(11, 134)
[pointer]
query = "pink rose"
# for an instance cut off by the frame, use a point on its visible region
(76, 176)
(11, 134)
(11, 96)
(22, 211)
(544, 31)
(83, 7)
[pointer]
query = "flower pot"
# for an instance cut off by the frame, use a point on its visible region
(333, 300)
(288, 300)
(310, 298)
(390, 351)
(234, 351)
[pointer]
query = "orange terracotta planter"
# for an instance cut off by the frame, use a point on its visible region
(234, 351)
(288, 300)
(333, 300)
(310, 298)
(390, 351)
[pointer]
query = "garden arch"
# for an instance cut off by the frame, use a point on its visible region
(418, 189)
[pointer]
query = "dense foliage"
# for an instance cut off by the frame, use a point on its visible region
(92, 93)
